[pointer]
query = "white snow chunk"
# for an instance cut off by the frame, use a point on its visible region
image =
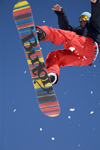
(24, 71)
(72, 48)
(79, 145)
(14, 110)
(69, 117)
(84, 57)
(94, 65)
(72, 109)
(53, 138)
(65, 93)
(43, 21)
(40, 129)
(92, 112)
(91, 92)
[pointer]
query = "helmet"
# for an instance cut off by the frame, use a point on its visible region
(86, 14)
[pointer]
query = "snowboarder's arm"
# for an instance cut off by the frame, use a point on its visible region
(62, 18)
(95, 14)
(93, 1)
(57, 7)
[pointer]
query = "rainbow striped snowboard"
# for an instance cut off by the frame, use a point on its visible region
(46, 97)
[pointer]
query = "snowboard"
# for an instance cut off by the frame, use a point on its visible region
(45, 94)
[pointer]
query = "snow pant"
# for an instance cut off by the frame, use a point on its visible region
(78, 50)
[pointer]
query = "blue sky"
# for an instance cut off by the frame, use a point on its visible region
(22, 125)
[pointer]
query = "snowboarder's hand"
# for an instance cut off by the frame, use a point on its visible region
(57, 8)
(93, 1)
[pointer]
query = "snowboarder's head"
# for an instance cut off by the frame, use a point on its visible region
(84, 18)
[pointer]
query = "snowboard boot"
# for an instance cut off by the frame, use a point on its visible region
(40, 33)
(53, 78)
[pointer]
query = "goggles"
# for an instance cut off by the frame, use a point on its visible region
(83, 17)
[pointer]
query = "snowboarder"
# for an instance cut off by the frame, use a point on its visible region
(81, 44)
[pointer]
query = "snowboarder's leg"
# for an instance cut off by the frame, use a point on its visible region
(60, 58)
(79, 50)
(82, 46)
(51, 34)
(52, 64)
(40, 33)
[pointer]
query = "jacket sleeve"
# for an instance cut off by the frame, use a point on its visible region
(95, 15)
(63, 21)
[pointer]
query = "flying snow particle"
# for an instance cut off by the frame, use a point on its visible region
(69, 117)
(79, 145)
(92, 112)
(40, 129)
(53, 138)
(65, 93)
(14, 110)
(24, 71)
(72, 48)
(84, 57)
(91, 92)
(43, 21)
(94, 65)
(72, 109)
